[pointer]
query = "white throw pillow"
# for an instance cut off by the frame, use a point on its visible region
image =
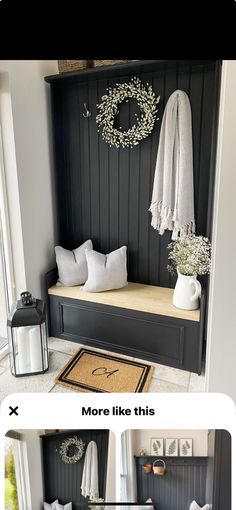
(195, 506)
(106, 272)
(68, 506)
(50, 506)
(72, 265)
(151, 507)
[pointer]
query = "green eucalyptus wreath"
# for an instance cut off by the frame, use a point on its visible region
(65, 446)
(108, 109)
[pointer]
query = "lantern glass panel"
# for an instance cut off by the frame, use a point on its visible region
(29, 349)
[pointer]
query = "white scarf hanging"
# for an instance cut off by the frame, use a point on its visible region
(172, 205)
(89, 485)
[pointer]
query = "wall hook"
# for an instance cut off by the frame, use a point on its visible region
(87, 112)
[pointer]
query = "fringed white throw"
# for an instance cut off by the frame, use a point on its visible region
(89, 484)
(172, 205)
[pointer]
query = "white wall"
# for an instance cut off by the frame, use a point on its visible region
(34, 461)
(23, 82)
(142, 439)
(111, 469)
(221, 342)
(12, 226)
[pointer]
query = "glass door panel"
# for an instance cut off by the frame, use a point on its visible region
(3, 295)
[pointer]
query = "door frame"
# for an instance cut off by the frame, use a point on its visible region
(8, 269)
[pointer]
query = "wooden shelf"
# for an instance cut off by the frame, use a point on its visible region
(119, 69)
(136, 296)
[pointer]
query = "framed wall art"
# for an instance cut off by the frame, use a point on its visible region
(171, 447)
(157, 446)
(186, 447)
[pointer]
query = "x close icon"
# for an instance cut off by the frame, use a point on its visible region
(13, 410)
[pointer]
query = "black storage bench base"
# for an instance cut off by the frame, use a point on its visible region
(169, 340)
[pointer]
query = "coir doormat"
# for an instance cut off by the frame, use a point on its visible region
(91, 371)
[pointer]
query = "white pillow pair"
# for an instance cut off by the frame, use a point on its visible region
(195, 506)
(84, 265)
(56, 506)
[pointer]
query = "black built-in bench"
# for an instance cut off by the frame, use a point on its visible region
(138, 320)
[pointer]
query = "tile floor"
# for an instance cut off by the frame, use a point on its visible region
(165, 379)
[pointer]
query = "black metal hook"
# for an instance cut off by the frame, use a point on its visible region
(87, 113)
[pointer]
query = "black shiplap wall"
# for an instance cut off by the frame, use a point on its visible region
(184, 481)
(103, 192)
(62, 480)
(218, 480)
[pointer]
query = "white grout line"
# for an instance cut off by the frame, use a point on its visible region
(5, 369)
(60, 352)
(52, 388)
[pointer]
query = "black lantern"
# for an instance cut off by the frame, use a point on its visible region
(27, 336)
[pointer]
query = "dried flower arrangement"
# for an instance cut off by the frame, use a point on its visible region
(98, 506)
(191, 255)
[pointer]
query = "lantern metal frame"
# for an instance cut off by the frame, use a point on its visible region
(31, 314)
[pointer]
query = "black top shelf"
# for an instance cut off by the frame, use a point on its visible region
(172, 460)
(62, 433)
(122, 69)
(155, 457)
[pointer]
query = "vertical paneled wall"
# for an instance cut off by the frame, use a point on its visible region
(62, 481)
(184, 481)
(218, 480)
(104, 193)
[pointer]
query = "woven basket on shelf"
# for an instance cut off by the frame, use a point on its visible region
(98, 63)
(65, 66)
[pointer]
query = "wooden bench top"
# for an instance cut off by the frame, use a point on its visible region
(135, 296)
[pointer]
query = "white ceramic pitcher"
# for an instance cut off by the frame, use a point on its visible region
(187, 292)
